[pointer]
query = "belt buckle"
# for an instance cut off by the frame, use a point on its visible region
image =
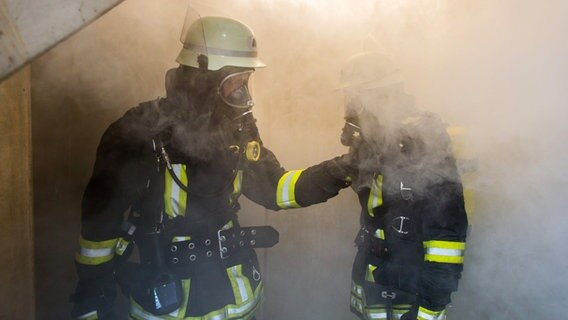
(388, 295)
(223, 250)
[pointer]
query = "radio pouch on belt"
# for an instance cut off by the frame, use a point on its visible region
(160, 290)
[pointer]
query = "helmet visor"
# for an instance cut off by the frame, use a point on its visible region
(234, 90)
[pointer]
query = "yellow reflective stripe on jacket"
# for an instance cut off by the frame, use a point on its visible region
(286, 191)
(237, 186)
(243, 311)
(426, 314)
(375, 194)
(376, 313)
(242, 289)
(95, 252)
(356, 289)
(369, 273)
(175, 199)
(379, 233)
(444, 251)
(356, 303)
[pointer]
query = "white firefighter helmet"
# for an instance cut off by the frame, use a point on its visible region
(369, 70)
(224, 41)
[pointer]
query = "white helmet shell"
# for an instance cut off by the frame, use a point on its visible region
(369, 70)
(224, 41)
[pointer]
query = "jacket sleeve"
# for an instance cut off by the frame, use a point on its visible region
(444, 234)
(444, 220)
(115, 183)
(268, 184)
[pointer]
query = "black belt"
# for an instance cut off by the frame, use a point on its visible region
(221, 245)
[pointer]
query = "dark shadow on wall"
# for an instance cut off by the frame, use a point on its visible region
(67, 123)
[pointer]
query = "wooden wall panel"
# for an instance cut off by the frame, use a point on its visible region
(16, 210)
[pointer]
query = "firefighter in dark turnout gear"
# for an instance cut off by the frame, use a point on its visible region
(175, 168)
(413, 222)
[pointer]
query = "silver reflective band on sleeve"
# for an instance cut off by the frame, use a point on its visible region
(286, 190)
(96, 253)
(444, 251)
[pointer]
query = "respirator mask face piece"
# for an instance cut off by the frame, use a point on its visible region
(234, 90)
(351, 132)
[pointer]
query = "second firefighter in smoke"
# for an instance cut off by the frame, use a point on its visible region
(413, 221)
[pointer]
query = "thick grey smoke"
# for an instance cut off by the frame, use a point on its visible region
(496, 68)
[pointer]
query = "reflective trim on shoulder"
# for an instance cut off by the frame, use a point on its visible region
(444, 251)
(175, 199)
(426, 314)
(375, 194)
(95, 252)
(286, 191)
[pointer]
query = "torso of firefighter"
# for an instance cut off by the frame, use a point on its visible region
(195, 261)
(413, 227)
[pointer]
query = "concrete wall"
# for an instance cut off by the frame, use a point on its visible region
(16, 215)
(30, 27)
(497, 68)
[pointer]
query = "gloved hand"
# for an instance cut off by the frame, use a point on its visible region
(94, 299)
(344, 167)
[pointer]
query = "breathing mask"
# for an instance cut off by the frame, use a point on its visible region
(351, 132)
(234, 90)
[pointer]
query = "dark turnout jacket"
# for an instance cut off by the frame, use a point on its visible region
(130, 179)
(413, 222)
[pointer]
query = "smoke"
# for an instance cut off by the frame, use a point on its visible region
(497, 68)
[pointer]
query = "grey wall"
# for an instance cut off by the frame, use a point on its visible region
(495, 67)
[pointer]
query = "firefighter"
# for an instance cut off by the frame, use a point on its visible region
(167, 178)
(413, 222)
